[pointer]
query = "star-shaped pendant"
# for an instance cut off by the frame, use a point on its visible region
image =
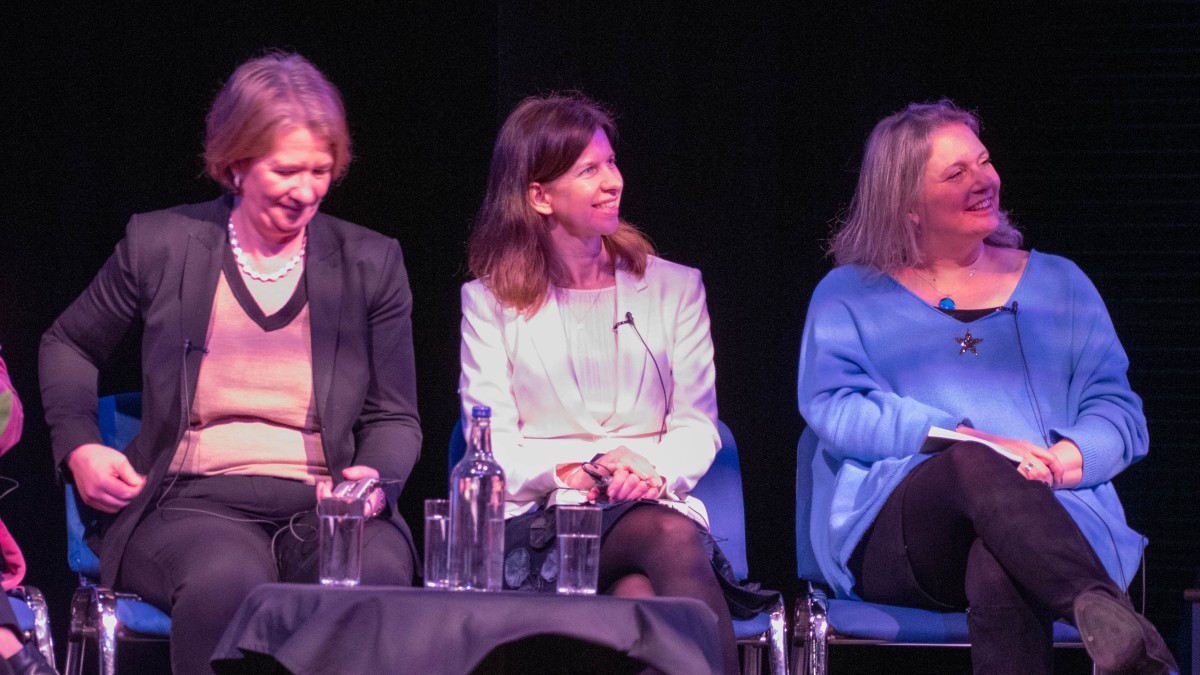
(967, 342)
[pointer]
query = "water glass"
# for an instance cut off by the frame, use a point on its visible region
(578, 548)
(341, 521)
(437, 543)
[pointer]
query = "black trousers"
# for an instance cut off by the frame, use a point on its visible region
(964, 530)
(213, 539)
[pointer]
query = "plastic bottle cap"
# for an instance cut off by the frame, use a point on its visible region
(481, 411)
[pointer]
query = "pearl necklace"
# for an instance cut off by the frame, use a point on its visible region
(243, 260)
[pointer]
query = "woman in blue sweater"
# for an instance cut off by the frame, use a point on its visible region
(936, 323)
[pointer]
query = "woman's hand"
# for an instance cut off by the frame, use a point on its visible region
(374, 502)
(575, 477)
(1037, 463)
(1062, 460)
(104, 477)
(633, 477)
(1071, 460)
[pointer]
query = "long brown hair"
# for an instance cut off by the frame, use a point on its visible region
(510, 247)
(878, 231)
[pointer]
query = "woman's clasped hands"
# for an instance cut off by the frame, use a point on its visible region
(620, 475)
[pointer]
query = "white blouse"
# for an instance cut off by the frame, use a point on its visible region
(587, 318)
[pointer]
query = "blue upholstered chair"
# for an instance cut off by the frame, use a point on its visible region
(721, 491)
(33, 618)
(822, 622)
(98, 612)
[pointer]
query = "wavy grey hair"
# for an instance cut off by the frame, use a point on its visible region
(877, 231)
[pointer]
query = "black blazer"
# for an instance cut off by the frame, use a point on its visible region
(164, 273)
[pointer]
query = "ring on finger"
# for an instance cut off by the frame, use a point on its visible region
(1028, 466)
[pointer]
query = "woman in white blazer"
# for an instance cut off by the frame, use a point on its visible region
(587, 347)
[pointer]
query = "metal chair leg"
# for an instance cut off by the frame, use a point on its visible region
(104, 614)
(773, 642)
(751, 659)
(810, 633)
(41, 621)
(79, 630)
(777, 639)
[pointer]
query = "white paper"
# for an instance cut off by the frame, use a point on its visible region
(939, 439)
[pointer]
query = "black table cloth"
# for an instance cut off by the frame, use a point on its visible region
(373, 629)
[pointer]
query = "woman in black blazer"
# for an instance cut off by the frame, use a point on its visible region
(277, 359)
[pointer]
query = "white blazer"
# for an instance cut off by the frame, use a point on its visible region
(518, 366)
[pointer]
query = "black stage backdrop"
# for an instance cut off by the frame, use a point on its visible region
(742, 127)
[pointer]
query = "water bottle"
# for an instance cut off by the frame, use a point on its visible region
(477, 512)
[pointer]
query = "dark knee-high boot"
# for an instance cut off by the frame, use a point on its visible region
(1010, 631)
(1039, 546)
(1009, 640)
(1118, 639)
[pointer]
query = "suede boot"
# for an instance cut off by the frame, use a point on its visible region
(1118, 639)
(1009, 641)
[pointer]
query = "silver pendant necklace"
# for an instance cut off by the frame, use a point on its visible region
(564, 300)
(947, 299)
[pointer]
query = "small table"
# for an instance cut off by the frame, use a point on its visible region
(384, 629)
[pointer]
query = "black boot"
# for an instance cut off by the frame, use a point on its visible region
(1010, 641)
(1118, 639)
(29, 661)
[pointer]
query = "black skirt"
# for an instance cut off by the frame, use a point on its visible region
(531, 557)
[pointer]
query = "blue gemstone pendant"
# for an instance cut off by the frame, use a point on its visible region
(946, 303)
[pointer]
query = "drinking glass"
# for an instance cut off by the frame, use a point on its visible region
(341, 521)
(437, 543)
(578, 548)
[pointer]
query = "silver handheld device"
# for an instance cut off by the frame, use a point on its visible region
(356, 489)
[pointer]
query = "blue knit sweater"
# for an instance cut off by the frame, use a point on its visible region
(879, 367)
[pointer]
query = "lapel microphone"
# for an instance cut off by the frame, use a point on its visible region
(188, 348)
(628, 320)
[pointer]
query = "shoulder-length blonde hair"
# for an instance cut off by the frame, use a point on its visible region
(878, 231)
(264, 96)
(510, 247)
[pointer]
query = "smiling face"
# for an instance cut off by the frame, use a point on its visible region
(282, 190)
(960, 190)
(585, 201)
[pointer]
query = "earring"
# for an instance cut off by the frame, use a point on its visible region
(237, 183)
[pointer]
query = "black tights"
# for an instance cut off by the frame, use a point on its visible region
(964, 530)
(654, 550)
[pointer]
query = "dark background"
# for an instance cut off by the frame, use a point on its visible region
(741, 127)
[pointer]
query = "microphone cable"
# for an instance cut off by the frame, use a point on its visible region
(1037, 407)
(185, 411)
(1046, 438)
(661, 382)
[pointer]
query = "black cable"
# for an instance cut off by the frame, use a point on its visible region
(1037, 408)
(185, 404)
(661, 382)
(8, 490)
